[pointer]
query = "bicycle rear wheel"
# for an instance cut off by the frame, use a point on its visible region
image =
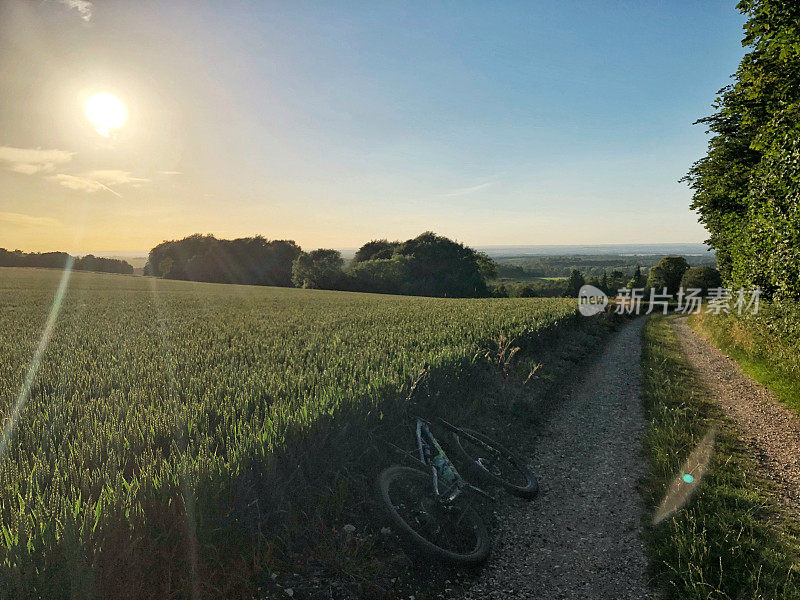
(454, 534)
(491, 462)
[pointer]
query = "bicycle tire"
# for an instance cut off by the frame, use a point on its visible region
(475, 556)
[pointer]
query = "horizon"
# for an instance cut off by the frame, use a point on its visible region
(127, 124)
(547, 249)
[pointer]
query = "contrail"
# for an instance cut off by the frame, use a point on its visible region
(25, 392)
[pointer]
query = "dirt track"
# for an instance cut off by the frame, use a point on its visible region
(770, 430)
(581, 537)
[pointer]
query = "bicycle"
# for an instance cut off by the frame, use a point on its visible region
(432, 511)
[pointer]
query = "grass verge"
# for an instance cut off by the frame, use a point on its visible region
(771, 358)
(731, 540)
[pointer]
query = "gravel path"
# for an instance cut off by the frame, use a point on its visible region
(581, 537)
(769, 429)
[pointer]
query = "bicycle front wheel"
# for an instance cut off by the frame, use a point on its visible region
(454, 534)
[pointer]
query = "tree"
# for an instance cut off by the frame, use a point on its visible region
(383, 276)
(575, 283)
(527, 292)
(375, 250)
(702, 278)
(747, 186)
(165, 267)
(58, 260)
(441, 267)
(500, 291)
(255, 260)
(638, 280)
(486, 266)
(667, 274)
(320, 269)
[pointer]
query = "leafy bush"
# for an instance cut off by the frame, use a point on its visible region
(427, 265)
(319, 269)
(383, 276)
(667, 274)
(747, 187)
(574, 284)
(375, 250)
(702, 278)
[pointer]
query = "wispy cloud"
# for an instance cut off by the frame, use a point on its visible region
(84, 7)
(22, 220)
(170, 173)
(115, 177)
(82, 184)
(470, 190)
(32, 160)
(98, 181)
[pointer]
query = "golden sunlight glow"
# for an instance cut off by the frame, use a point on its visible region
(106, 112)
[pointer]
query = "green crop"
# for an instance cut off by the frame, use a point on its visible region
(153, 394)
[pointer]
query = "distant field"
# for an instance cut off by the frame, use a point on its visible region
(523, 266)
(156, 401)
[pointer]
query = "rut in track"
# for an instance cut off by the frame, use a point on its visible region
(581, 538)
(769, 429)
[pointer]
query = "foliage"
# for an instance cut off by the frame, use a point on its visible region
(527, 292)
(57, 260)
(667, 274)
(638, 280)
(181, 436)
(538, 288)
(375, 250)
(254, 260)
(383, 276)
(319, 269)
(610, 284)
(732, 540)
(702, 278)
(427, 265)
(441, 267)
(574, 284)
(486, 266)
(522, 268)
(747, 187)
(102, 265)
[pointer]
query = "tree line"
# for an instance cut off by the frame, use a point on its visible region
(58, 260)
(253, 261)
(529, 267)
(427, 265)
(670, 273)
(747, 187)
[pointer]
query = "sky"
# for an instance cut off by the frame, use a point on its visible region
(333, 123)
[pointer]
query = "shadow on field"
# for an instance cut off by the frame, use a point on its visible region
(278, 522)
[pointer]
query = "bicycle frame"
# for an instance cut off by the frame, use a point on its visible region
(427, 444)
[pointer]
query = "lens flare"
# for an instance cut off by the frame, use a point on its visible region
(25, 392)
(683, 486)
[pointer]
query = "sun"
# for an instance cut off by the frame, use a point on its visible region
(106, 112)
